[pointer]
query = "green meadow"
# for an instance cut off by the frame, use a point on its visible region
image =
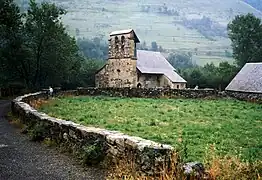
(192, 126)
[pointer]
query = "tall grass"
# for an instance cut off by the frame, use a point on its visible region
(217, 167)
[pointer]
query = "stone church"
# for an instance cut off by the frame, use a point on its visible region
(129, 67)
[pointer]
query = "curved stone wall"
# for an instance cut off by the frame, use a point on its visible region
(94, 144)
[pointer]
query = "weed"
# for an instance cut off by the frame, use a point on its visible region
(37, 132)
(93, 154)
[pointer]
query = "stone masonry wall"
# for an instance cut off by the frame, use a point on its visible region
(251, 97)
(117, 73)
(94, 144)
(170, 93)
(149, 93)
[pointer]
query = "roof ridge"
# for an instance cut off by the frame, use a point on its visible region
(254, 63)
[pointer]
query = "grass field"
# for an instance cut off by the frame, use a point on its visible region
(232, 127)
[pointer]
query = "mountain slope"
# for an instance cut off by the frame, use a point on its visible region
(255, 3)
(196, 26)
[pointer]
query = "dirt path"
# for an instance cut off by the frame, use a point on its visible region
(21, 159)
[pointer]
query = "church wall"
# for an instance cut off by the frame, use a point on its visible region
(117, 73)
(165, 82)
(157, 80)
(149, 80)
(179, 85)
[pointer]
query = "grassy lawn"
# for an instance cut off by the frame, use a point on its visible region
(234, 127)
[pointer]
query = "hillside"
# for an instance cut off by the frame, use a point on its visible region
(196, 26)
(255, 3)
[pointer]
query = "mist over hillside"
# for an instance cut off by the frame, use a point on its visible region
(195, 26)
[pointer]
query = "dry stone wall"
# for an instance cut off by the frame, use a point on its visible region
(149, 93)
(94, 144)
(244, 96)
(170, 93)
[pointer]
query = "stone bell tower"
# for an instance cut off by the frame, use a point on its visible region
(122, 44)
(120, 70)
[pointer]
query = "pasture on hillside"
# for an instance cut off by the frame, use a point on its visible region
(231, 127)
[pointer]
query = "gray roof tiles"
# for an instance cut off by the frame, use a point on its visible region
(150, 62)
(174, 77)
(249, 79)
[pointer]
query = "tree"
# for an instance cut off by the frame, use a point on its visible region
(226, 73)
(210, 73)
(245, 32)
(194, 77)
(180, 60)
(94, 48)
(37, 50)
(86, 74)
(154, 46)
(11, 42)
(54, 54)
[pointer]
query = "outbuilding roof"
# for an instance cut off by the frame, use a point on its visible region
(249, 79)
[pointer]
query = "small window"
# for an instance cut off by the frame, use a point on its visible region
(116, 39)
(122, 43)
(116, 43)
(177, 86)
(135, 53)
(139, 85)
(118, 70)
(123, 40)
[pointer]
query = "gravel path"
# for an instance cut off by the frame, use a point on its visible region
(22, 159)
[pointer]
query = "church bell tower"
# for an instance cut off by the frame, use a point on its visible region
(122, 44)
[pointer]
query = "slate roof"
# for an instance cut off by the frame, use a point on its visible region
(249, 79)
(125, 31)
(150, 62)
